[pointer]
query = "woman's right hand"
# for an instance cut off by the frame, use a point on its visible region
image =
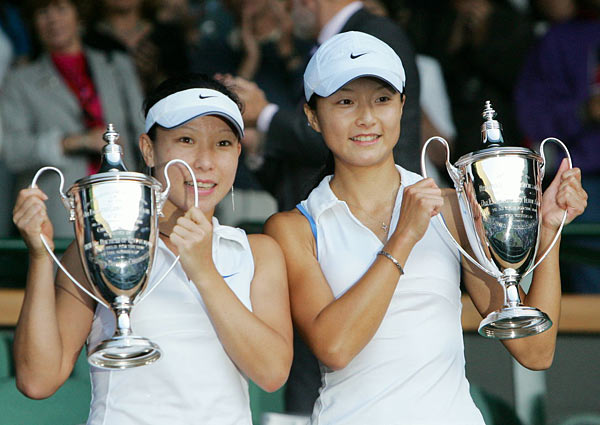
(420, 202)
(31, 218)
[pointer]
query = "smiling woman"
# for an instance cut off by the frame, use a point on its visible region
(203, 126)
(222, 315)
(374, 282)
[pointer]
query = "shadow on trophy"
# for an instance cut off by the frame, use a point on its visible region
(115, 214)
(499, 190)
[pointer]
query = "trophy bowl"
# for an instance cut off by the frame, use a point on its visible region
(116, 224)
(499, 195)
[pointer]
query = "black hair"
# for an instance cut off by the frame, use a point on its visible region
(329, 165)
(185, 82)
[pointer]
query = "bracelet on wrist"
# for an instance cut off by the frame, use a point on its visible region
(392, 259)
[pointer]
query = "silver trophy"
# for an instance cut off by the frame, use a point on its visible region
(499, 193)
(115, 215)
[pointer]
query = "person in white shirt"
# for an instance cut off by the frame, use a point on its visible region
(221, 317)
(374, 281)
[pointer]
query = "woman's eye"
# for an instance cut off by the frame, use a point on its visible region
(344, 102)
(382, 99)
(186, 140)
(224, 143)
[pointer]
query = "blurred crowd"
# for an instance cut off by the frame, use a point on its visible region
(69, 67)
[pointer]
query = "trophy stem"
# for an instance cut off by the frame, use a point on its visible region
(122, 308)
(510, 282)
(513, 320)
(124, 350)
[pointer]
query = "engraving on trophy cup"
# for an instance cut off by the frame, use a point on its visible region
(115, 214)
(499, 194)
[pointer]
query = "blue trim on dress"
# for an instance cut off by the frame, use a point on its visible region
(311, 221)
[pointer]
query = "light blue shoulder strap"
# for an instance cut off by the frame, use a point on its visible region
(311, 221)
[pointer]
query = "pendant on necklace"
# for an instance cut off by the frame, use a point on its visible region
(384, 227)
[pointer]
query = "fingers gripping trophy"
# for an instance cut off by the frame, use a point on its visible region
(499, 193)
(115, 214)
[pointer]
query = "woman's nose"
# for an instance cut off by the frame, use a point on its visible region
(203, 160)
(365, 117)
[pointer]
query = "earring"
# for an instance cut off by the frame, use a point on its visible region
(232, 200)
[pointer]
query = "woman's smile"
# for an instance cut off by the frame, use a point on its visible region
(366, 139)
(205, 187)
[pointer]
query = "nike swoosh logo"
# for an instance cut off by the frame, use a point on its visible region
(204, 97)
(356, 56)
(232, 274)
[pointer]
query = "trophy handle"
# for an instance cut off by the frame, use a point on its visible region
(162, 198)
(562, 223)
(65, 199)
(455, 176)
(69, 206)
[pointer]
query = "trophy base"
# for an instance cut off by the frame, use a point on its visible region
(514, 322)
(124, 352)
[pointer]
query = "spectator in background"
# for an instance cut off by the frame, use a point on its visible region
(255, 40)
(480, 45)
(558, 95)
(54, 110)
(157, 48)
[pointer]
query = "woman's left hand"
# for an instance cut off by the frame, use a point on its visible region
(564, 193)
(192, 235)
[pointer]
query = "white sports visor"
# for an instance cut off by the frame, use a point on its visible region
(180, 107)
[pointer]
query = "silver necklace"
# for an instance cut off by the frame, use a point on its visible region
(383, 226)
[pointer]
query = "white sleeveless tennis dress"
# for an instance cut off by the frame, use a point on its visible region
(412, 372)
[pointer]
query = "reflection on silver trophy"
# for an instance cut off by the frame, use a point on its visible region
(115, 214)
(499, 193)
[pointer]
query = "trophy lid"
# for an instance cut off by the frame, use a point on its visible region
(497, 151)
(493, 141)
(112, 167)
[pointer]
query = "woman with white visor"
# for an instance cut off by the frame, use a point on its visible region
(221, 316)
(374, 281)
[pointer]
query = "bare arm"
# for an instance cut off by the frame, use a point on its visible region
(56, 316)
(258, 342)
(338, 329)
(534, 352)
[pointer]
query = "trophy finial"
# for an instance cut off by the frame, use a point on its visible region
(488, 112)
(112, 153)
(111, 135)
(491, 130)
